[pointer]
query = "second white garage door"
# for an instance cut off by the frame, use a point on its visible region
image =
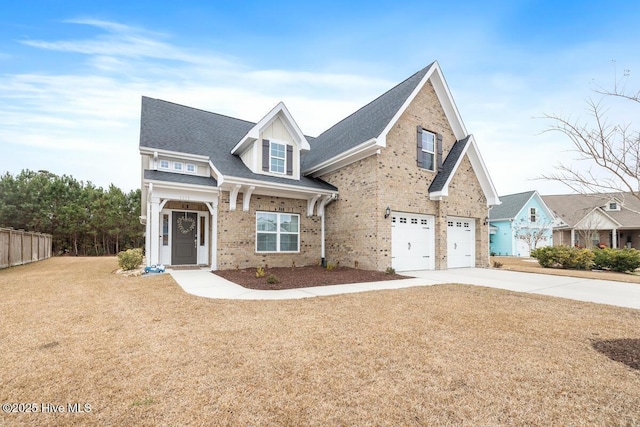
(461, 242)
(412, 241)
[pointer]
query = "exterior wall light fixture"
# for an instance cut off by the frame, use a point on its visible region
(387, 212)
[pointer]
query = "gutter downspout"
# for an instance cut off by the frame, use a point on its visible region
(321, 210)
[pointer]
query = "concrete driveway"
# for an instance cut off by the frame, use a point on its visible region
(591, 290)
(204, 283)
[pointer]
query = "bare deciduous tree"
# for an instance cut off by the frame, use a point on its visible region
(532, 233)
(612, 150)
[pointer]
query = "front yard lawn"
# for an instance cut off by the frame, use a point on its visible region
(140, 351)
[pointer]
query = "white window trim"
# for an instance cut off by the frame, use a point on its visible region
(433, 153)
(277, 233)
(533, 213)
(177, 166)
(284, 159)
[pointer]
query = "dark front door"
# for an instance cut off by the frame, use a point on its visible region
(184, 245)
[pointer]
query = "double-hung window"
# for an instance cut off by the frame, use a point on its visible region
(277, 232)
(277, 157)
(428, 150)
(533, 215)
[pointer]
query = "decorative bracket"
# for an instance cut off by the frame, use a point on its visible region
(311, 203)
(246, 197)
(233, 197)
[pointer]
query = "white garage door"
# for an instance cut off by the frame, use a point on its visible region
(522, 249)
(461, 242)
(412, 241)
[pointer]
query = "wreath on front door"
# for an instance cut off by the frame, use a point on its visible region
(186, 224)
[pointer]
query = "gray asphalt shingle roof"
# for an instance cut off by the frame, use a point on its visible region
(573, 207)
(448, 166)
(511, 205)
(173, 127)
(366, 123)
(180, 178)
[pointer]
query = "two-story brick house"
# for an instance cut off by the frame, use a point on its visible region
(399, 183)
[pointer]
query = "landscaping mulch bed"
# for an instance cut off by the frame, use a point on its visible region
(624, 350)
(304, 277)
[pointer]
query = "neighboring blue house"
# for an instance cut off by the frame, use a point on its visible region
(521, 223)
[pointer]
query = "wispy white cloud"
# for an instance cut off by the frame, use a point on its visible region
(97, 110)
(71, 116)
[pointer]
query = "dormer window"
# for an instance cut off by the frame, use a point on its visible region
(177, 166)
(277, 157)
(612, 206)
(164, 164)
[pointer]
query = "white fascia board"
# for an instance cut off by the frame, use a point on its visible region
(178, 154)
(157, 184)
(444, 96)
(521, 211)
(489, 190)
(254, 132)
(218, 176)
(601, 212)
(482, 173)
(284, 190)
(345, 158)
(439, 195)
(550, 213)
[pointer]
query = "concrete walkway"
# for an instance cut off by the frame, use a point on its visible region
(206, 284)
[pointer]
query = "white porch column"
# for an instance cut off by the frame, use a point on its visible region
(213, 238)
(614, 238)
(147, 239)
(153, 221)
(573, 237)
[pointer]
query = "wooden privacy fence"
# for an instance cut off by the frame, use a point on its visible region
(19, 247)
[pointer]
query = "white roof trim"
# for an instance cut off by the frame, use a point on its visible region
(345, 158)
(180, 185)
(444, 96)
(549, 212)
(290, 123)
(177, 154)
(585, 218)
(480, 169)
(275, 186)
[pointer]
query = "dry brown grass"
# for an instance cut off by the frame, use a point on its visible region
(142, 352)
(530, 265)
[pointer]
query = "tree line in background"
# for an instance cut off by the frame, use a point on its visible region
(83, 219)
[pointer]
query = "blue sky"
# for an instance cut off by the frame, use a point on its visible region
(72, 73)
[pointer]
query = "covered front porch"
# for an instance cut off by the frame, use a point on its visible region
(610, 238)
(181, 224)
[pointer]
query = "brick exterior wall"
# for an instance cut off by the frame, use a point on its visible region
(351, 222)
(237, 234)
(356, 229)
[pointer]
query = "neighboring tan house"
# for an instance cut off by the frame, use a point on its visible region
(588, 220)
(521, 223)
(399, 183)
